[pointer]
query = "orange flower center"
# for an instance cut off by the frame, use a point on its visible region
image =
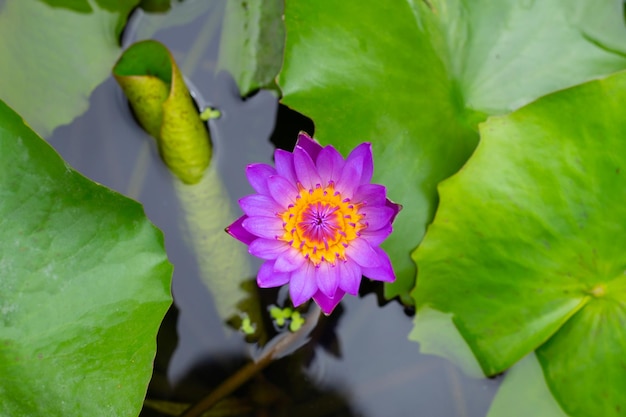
(320, 224)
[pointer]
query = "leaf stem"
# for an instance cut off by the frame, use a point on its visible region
(248, 371)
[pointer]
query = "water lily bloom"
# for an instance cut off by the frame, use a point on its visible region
(317, 222)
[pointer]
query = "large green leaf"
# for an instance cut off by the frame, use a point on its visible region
(84, 284)
(524, 393)
(527, 250)
(359, 84)
(586, 359)
(415, 78)
(507, 53)
(53, 57)
(252, 41)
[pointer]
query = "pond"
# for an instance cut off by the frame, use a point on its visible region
(358, 362)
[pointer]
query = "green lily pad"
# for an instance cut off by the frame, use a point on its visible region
(157, 93)
(84, 285)
(416, 77)
(527, 248)
(53, 57)
(525, 393)
(586, 358)
(252, 42)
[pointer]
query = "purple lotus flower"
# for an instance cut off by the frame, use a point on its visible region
(317, 221)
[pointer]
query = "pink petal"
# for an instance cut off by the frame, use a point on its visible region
(349, 180)
(328, 304)
(290, 260)
(377, 217)
(267, 227)
(237, 231)
(305, 169)
(302, 284)
(383, 272)
(267, 248)
(268, 278)
(309, 145)
(349, 277)
(327, 278)
(371, 194)
(362, 253)
(362, 155)
(329, 165)
(395, 207)
(376, 237)
(257, 176)
(284, 165)
(260, 205)
(282, 191)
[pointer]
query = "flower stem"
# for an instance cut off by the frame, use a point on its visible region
(248, 371)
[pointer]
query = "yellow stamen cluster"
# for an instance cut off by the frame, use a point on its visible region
(320, 224)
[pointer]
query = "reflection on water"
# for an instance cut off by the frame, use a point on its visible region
(359, 361)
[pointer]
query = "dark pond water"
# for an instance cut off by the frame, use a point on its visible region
(359, 361)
